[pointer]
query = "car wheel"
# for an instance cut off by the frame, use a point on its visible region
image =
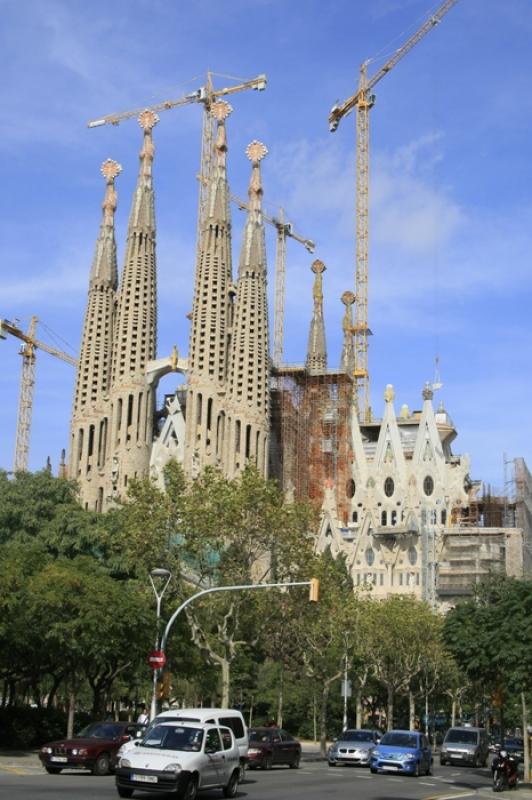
(101, 765)
(124, 792)
(191, 789)
(295, 762)
(267, 763)
(53, 770)
(373, 770)
(417, 771)
(443, 762)
(332, 763)
(429, 769)
(232, 787)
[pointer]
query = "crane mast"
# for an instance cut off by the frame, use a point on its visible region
(27, 385)
(362, 101)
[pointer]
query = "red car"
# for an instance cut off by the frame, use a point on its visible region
(270, 746)
(93, 748)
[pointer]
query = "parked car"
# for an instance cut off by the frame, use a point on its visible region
(515, 747)
(402, 751)
(271, 746)
(95, 747)
(465, 746)
(181, 758)
(353, 747)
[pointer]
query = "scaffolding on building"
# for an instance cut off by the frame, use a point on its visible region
(311, 442)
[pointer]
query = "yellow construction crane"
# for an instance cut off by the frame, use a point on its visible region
(284, 229)
(363, 101)
(206, 95)
(27, 384)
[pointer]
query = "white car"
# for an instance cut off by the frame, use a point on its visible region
(222, 717)
(181, 758)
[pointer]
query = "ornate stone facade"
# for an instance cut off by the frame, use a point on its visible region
(394, 499)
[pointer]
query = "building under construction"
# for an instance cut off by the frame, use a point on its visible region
(394, 498)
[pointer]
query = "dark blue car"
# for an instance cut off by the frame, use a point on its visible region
(402, 751)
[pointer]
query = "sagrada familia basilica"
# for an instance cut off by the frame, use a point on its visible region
(394, 498)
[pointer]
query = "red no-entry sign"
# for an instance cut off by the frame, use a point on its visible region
(156, 659)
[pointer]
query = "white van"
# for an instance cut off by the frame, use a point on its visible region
(227, 717)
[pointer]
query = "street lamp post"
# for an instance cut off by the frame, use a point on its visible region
(157, 577)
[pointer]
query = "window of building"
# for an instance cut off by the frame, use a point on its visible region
(370, 556)
(389, 487)
(350, 488)
(412, 555)
(428, 485)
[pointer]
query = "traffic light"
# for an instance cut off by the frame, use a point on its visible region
(314, 591)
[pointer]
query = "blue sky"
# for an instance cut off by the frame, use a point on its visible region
(451, 178)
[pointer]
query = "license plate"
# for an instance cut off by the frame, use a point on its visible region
(61, 759)
(392, 766)
(144, 778)
(457, 755)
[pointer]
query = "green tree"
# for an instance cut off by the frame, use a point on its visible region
(490, 637)
(214, 532)
(404, 630)
(324, 633)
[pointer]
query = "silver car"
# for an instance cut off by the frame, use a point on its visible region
(353, 746)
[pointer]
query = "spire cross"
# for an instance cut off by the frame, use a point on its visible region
(147, 121)
(220, 111)
(110, 170)
(318, 268)
(255, 151)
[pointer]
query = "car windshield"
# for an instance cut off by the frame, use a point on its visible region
(399, 739)
(356, 736)
(100, 730)
(513, 742)
(260, 735)
(461, 737)
(174, 737)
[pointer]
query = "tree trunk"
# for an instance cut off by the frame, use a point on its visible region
(314, 715)
(358, 708)
(411, 710)
(525, 738)
(280, 698)
(453, 713)
(323, 720)
(70, 716)
(226, 671)
(389, 720)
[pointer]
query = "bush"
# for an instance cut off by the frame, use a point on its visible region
(23, 727)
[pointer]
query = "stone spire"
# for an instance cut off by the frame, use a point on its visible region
(347, 361)
(90, 418)
(132, 400)
(248, 391)
(211, 317)
(317, 350)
